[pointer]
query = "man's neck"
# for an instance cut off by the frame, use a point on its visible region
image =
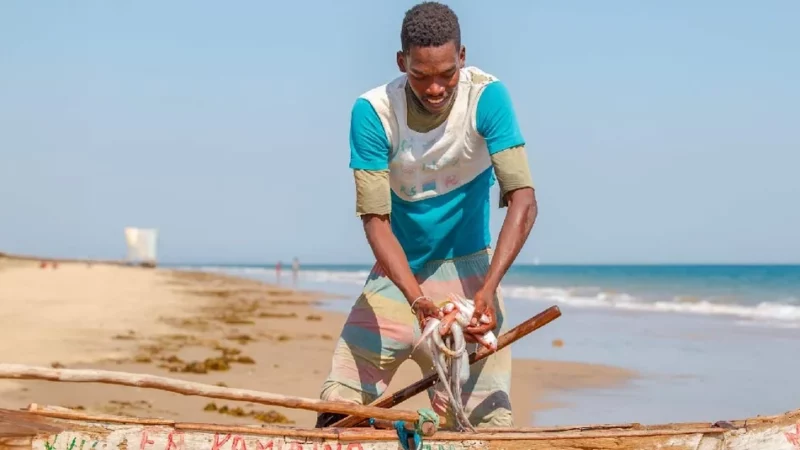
(420, 119)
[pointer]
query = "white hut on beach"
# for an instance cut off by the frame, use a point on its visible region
(142, 244)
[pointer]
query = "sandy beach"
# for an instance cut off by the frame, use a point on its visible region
(203, 327)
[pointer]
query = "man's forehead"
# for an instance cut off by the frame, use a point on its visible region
(432, 60)
(429, 68)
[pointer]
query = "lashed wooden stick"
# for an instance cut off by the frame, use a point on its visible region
(506, 339)
(24, 372)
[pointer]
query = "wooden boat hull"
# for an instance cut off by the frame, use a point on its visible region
(74, 431)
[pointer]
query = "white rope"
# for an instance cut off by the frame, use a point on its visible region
(449, 352)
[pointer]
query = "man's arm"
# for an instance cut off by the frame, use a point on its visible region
(517, 225)
(393, 260)
(497, 123)
(369, 159)
(518, 194)
(390, 254)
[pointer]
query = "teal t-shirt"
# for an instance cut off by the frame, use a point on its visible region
(452, 224)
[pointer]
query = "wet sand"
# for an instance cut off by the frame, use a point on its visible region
(202, 327)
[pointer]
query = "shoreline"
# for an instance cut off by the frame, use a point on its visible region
(207, 327)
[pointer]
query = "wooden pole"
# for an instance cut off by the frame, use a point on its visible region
(24, 372)
(428, 428)
(506, 339)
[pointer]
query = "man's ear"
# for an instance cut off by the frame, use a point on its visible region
(401, 61)
(462, 57)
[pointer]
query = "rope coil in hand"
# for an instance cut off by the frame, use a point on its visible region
(446, 346)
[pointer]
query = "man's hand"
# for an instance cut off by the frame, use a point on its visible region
(484, 305)
(521, 215)
(425, 309)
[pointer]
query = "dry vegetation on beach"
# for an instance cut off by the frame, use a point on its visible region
(202, 327)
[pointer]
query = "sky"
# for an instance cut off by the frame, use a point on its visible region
(657, 132)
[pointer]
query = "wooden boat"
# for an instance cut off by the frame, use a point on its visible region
(55, 428)
(52, 428)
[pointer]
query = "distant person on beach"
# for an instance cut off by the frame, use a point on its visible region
(295, 270)
(278, 272)
(425, 150)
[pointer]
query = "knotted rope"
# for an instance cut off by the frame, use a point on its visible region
(445, 344)
(403, 434)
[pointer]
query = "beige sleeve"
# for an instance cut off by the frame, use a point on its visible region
(511, 168)
(372, 192)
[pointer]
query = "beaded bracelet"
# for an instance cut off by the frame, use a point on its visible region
(418, 299)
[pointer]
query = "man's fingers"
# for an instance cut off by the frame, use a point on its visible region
(476, 317)
(481, 327)
(489, 317)
(477, 330)
(421, 319)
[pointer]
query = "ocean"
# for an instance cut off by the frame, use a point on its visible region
(710, 342)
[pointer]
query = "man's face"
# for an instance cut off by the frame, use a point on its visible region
(433, 73)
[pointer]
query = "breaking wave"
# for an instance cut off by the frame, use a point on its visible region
(784, 312)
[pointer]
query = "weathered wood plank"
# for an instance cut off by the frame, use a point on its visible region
(144, 437)
(82, 433)
(24, 372)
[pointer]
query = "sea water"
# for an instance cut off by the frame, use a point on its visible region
(708, 342)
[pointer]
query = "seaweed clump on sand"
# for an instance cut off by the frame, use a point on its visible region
(233, 319)
(236, 311)
(274, 315)
(125, 408)
(130, 336)
(287, 302)
(220, 363)
(196, 323)
(242, 339)
(270, 416)
(205, 366)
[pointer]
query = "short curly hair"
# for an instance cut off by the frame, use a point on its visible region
(429, 24)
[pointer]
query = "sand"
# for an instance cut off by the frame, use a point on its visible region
(201, 327)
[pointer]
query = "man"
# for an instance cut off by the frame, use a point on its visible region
(295, 270)
(425, 149)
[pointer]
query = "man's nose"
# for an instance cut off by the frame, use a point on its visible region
(435, 90)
